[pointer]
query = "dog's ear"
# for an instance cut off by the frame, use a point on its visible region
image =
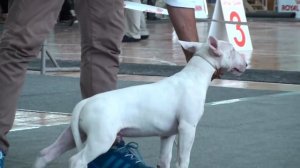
(213, 45)
(190, 46)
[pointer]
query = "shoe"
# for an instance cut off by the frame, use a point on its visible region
(151, 16)
(129, 39)
(143, 37)
(120, 156)
(2, 155)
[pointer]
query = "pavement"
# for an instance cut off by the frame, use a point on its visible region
(241, 128)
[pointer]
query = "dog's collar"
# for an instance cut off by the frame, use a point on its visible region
(218, 73)
(209, 62)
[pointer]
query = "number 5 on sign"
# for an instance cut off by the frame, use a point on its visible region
(236, 33)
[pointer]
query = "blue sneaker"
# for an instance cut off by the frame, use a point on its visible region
(120, 156)
(1, 159)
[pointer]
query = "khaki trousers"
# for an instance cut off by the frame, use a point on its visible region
(135, 23)
(28, 24)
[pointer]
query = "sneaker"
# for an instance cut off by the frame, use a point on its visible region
(120, 156)
(1, 159)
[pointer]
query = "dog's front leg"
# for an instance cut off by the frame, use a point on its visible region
(166, 145)
(186, 134)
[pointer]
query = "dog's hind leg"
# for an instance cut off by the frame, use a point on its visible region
(166, 147)
(98, 142)
(62, 144)
(78, 160)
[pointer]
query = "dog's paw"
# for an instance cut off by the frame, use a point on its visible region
(40, 162)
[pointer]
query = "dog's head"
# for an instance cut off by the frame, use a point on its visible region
(220, 53)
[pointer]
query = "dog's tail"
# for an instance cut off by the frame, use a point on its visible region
(75, 124)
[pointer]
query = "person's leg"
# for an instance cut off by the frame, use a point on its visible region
(4, 10)
(151, 16)
(184, 22)
(65, 13)
(4, 6)
(143, 28)
(101, 26)
(25, 30)
(132, 23)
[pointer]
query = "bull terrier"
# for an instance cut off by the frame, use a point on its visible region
(170, 107)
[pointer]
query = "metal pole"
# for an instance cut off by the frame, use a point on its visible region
(43, 59)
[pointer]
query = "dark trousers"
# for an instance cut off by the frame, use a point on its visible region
(27, 26)
(4, 6)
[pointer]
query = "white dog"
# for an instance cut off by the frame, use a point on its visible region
(170, 107)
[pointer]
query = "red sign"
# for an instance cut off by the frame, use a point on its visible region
(198, 8)
(289, 8)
